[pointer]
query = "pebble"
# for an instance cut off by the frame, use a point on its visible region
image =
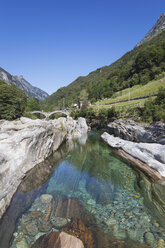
(31, 228)
(22, 243)
(149, 238)
(15, 234)
(132, 234)
(91, 202)
(111, 221)
(128, 213)
(46, 198)
(43, 225)
(161, 243)
(58, 222)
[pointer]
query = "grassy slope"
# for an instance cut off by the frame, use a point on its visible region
(135, 91)
(72, 91)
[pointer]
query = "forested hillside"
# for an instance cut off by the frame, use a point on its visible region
(139, 66)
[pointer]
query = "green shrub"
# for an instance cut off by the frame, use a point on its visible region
(154, 110)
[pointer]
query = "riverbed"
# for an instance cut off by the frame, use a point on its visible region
(117, 205)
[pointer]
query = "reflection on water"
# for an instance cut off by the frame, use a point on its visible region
(116, 205)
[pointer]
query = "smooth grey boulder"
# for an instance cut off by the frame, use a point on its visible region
(25, 143)
(129, 130)
(151, 154)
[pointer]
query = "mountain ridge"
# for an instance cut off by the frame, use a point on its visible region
(158, 27)
(19, 81)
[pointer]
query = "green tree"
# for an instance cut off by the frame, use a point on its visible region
(12, 101)
(33, 104)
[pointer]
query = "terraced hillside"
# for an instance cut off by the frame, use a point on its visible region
(136, 91)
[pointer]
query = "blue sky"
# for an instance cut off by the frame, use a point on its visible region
(52, 42)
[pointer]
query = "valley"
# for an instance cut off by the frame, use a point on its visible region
(85, 166)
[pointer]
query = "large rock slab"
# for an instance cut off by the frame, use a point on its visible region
(58, 240)
(150, 157)
(25, 143)
(129, 130)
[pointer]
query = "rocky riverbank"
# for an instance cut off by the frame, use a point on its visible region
(130, 130)
(25, 143)
(142, 145)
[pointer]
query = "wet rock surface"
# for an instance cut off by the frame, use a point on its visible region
(58, 222)
(58, 240)
(129, 130)
(119, 220)
(87, 220)
(145, 155)
(24, 143)
(46, 198)
(34, 224)
(79, 223)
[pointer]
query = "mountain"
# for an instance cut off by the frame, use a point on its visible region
(139, 66)
(159, 26)
(21, 83)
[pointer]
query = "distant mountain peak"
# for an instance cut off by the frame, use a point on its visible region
(20, 77)
(159, 26)
(21, 83)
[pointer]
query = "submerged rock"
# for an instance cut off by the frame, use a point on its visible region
(58, 240)
(31, 228)
(58, 222)
(148, 157)
(80, 230)
(46, 198)
(25, 143)
(149, 238)
(43, 225)
(111, 221)
(161, 243)
(22, 244)
(35, 214)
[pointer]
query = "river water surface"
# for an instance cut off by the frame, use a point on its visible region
(90, 187)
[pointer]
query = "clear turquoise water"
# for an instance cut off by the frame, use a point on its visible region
(124, 203)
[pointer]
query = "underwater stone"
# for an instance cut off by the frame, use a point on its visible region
(46, 198)
(120, 234)
(31, 228)
(132, 234)
(128, 213)
(91, 202)
(34, 214)
(22, 244)
(111, 221)
(58, 221)
(44, 226)
(57, 240)
(149, 238)
(161, 243)
(25, 219)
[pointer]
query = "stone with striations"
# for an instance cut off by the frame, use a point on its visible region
(58, 240)
(151, 154)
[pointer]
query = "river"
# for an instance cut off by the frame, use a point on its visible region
(117, 205)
